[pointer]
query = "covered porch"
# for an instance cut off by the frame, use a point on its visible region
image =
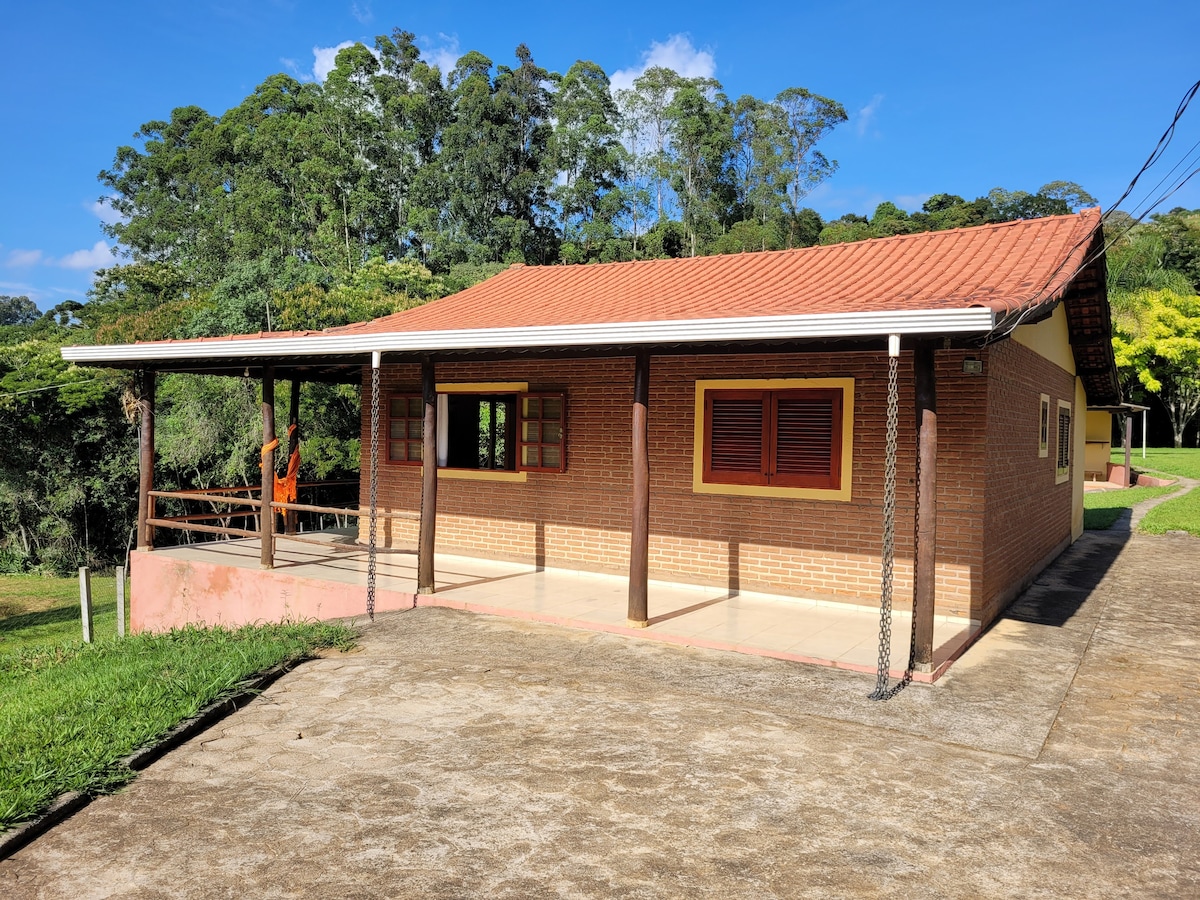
(329, 572)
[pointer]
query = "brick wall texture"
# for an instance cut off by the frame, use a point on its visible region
(990, 481)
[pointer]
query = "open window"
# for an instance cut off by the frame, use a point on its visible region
(484, 431)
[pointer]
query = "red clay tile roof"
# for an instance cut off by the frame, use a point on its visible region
(1007, 267)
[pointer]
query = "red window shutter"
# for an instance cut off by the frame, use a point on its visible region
(808, 429)
(735, 449)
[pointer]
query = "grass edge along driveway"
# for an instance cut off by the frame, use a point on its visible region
(70, 712)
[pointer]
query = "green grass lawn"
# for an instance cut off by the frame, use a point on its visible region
(1102, 508)
(37, 610)
(1184, 461)
(1178, 514)
(69, 711)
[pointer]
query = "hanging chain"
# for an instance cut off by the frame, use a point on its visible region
(881, 691)
(374, 490)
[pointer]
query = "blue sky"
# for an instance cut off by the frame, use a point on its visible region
(943, 97)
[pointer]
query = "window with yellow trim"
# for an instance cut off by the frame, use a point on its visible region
(774, 437)
(787, 438)
(515, 432)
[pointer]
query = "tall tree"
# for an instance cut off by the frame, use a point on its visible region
(805, 118)
(701, 126)
(588, 156)
(1156, 340)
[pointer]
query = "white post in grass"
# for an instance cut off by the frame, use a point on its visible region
(85, 602)
(120, 601)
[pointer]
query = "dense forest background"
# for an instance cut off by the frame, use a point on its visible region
(310, 205)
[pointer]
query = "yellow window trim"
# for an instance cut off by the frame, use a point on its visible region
(482, 475)
(843, 494)
(483, 387)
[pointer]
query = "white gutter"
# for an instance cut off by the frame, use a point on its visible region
(685, 331)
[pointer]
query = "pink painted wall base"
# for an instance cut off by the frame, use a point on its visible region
(168, 593)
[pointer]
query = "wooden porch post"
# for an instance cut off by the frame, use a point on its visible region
(267, 517)
(925, 561)
(639, 543)
(429, 464)
(291, 516)
(1128, 450)
(145, 532)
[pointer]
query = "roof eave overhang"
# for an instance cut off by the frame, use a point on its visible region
(832, 326)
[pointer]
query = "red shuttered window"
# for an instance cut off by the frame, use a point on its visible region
(785, 438)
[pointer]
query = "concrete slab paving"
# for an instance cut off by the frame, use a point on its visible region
(462, 755)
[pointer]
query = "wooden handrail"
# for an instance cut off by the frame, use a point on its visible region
(209, 498)
(210, 529)
(347, 511)
(255, 488)
(202, 517)
(331, 510)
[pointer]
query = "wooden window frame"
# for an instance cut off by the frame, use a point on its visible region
(406, 396)
(541, 445)
(1062, 459)
(768, 482)
(1044, 426)
(517, 444)
(768, 473)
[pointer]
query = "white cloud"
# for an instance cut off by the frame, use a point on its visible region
(294, 67)
(98, 256)
(866, 115)
(20, 259)
(325, 58)
(444, 54)
(362, 12)
(677, 53)
(104, 212)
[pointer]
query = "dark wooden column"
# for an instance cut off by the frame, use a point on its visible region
(290, 517)
(639, 542)
(267, 517)
(145, 532)
(429, 464)
(1128, 449)
(925, 562)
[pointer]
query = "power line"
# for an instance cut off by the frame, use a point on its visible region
(48, 387)
(1155, 155)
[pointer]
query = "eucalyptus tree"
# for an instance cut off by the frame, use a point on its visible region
(805, 118)
(701, 128)
(173, 194)
(587, 155)
(757, 167)
(414, 109)
(644, 109)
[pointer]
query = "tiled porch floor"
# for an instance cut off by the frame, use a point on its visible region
(818, 632)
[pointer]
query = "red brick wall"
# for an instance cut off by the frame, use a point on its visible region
(1027, 515)
(815, 548)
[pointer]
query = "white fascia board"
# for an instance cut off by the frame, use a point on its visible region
(976, 320)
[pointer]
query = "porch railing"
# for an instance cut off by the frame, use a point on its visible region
(194, 522)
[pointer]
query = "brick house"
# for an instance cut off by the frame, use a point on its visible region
(724, 420)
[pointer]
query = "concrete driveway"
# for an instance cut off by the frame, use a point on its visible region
(459, 755)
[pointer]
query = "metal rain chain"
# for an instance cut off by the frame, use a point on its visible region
(374, 490)
(888, 555)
